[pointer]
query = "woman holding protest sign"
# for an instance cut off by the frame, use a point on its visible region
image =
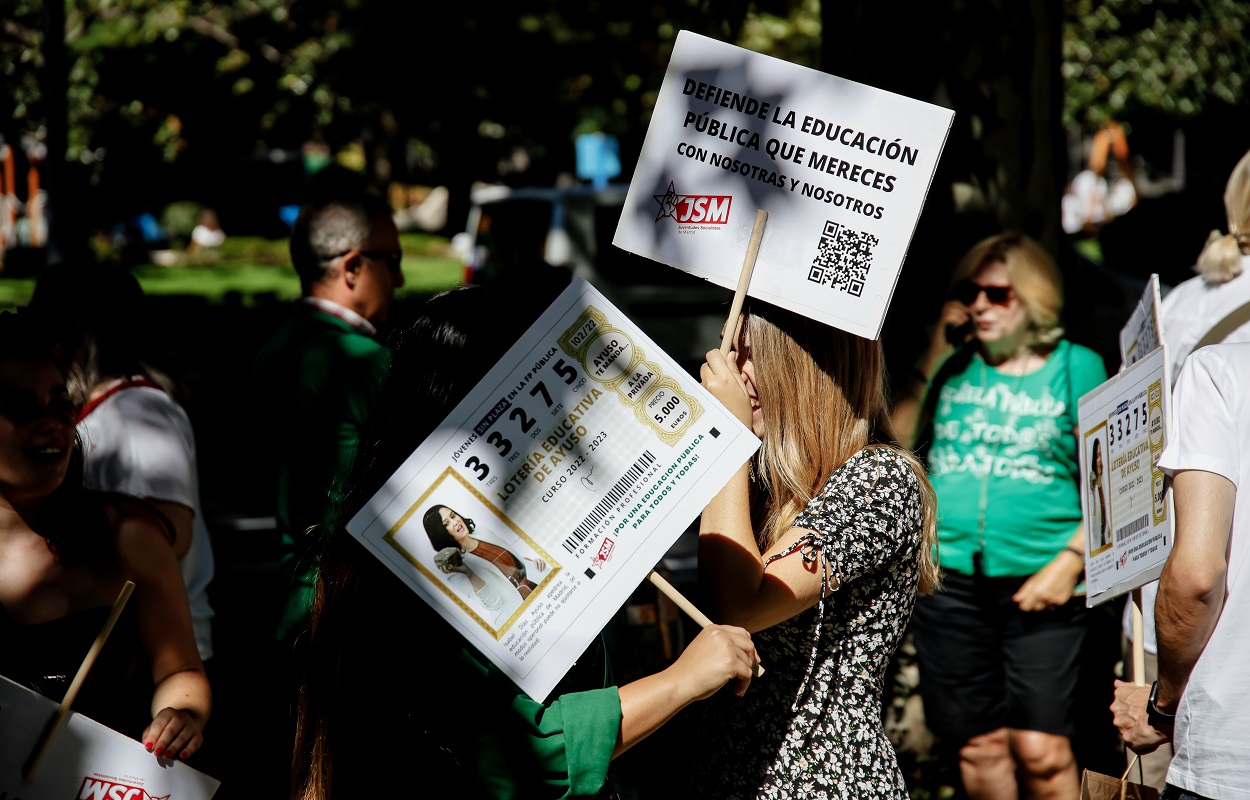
(394, 701)
(65, 555)
(819, 546)
(994, 402)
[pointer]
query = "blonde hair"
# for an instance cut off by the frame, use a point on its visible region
(1034, 276)
(1220, 259)
(822, 396)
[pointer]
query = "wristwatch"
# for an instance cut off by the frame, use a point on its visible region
(1157, 719)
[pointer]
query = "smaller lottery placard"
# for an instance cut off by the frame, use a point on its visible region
(1128, 516)
(85, 760)
(573, 467)
(1144, 330)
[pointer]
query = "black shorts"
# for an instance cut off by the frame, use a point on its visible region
(985, 664)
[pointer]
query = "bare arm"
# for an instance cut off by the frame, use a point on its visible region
(1191, 596)
(182, 699)
(1192, 587)
(730, 561)
(720, 654)
(1053, 584)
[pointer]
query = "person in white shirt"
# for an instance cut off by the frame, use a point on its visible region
(1213, 301)
(136, 438)
(1202, 614)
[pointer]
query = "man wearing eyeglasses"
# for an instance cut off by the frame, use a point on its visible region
(321, 371)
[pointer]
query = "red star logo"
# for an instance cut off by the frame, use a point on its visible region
(668, 202)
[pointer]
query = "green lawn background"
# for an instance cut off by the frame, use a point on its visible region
(245, 269)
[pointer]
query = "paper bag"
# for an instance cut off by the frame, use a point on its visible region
(1096, 786)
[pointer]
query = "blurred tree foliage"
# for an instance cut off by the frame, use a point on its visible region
(1171, 56)
(178, 90)
(213, 100)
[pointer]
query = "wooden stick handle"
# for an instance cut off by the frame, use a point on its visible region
(55, 724)
(679, 599)
(685, 605)
(744, 280)
(1139, 636)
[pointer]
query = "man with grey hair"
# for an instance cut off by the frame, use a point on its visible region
(320, 372)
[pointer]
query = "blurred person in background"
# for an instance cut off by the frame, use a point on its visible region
(67, 551)
(318, 376)
(136, 437)
(993, 402)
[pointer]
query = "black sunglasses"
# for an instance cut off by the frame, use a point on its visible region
(967, 292)
(394, 258)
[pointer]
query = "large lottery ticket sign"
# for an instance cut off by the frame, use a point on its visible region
(841, 169)
(1127, 513)
(584, 454)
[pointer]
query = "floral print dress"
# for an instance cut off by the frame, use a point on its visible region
(811, 727)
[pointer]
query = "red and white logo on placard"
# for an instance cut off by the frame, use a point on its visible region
(693, 209)
(99, 788)
(605, 553)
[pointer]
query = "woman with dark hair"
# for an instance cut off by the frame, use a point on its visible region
(136, 437)
(446, 528)
(377, 716)
(476, 566)
(1097, 497)
(66, 552)
(819, 546)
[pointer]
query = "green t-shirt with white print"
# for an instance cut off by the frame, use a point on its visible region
(1004, 451)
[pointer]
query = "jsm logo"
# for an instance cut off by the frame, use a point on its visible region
(693, 209)
(96, 789)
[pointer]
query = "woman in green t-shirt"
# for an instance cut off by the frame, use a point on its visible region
(993, 404)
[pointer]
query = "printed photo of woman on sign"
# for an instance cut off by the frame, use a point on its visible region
(478, 565)
(1098, 502)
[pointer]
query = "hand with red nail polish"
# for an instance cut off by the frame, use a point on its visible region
(175, 732)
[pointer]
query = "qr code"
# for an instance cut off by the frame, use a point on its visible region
(843, 259)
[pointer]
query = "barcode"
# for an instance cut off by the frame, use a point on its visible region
(1132, 527)
(614, 496)
(843, 258)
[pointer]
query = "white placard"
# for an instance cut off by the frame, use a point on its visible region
(86, 760)
(1144, 330)
(841, 168)
(586, 448)
(1125, 419)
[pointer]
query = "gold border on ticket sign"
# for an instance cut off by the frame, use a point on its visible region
(668, 410)
(390, 538)
(1157, 433)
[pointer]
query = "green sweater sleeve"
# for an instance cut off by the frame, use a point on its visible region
(558, 749)
(575, 735)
